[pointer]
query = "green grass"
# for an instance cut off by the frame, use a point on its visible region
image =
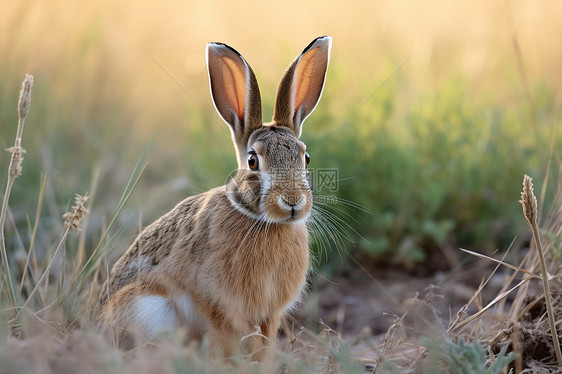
(438, 175)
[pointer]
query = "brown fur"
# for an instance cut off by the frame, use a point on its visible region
(238, 253)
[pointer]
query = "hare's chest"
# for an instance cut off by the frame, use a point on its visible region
(260, 275)
(277, 279)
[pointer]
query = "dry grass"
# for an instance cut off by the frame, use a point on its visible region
(530, 209)
(527, 324)
(14, 171)
(517, 320)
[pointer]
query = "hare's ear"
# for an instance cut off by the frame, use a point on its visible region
(301, 86)
(235, 91)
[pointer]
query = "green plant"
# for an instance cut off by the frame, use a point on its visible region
(463, 358)
(434, 176)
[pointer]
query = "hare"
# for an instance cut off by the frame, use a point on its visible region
(229, 262)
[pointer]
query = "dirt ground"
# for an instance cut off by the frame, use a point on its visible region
(361, 305)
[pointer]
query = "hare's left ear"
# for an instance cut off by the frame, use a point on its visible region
(301, 86)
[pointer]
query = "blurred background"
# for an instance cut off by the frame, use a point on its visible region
(432, 113)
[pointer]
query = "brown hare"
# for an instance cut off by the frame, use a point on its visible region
(229, 262)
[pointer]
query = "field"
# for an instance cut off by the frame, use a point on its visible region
(432, 114)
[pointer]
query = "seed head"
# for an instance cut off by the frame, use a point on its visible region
(25, 96)
(72, 219)
(16, 161)
(529, 200)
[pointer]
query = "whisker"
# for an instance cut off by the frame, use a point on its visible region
(352, 204)
(340, 210)
(342, 223)
(339, 228)
(330, 232)
(254, 229)
(322, 240)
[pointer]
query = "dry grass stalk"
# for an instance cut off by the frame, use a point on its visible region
(14, 171)
(500, 262)
(529, 203)
(31, 260)
(72, 221)
(81, 251)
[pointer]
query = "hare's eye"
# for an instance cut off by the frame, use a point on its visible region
(306, 158)
(253, 161)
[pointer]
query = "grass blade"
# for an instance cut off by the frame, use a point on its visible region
(31, 252)
(101, 249)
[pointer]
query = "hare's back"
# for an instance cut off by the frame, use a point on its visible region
(154, 246)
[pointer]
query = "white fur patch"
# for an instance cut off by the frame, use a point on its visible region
(155, 315)
(189, 312)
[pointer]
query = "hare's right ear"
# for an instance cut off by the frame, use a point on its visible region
(235, 93)
(302, 84)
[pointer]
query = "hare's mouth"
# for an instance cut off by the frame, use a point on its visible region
(287, 208)
(291, 203)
